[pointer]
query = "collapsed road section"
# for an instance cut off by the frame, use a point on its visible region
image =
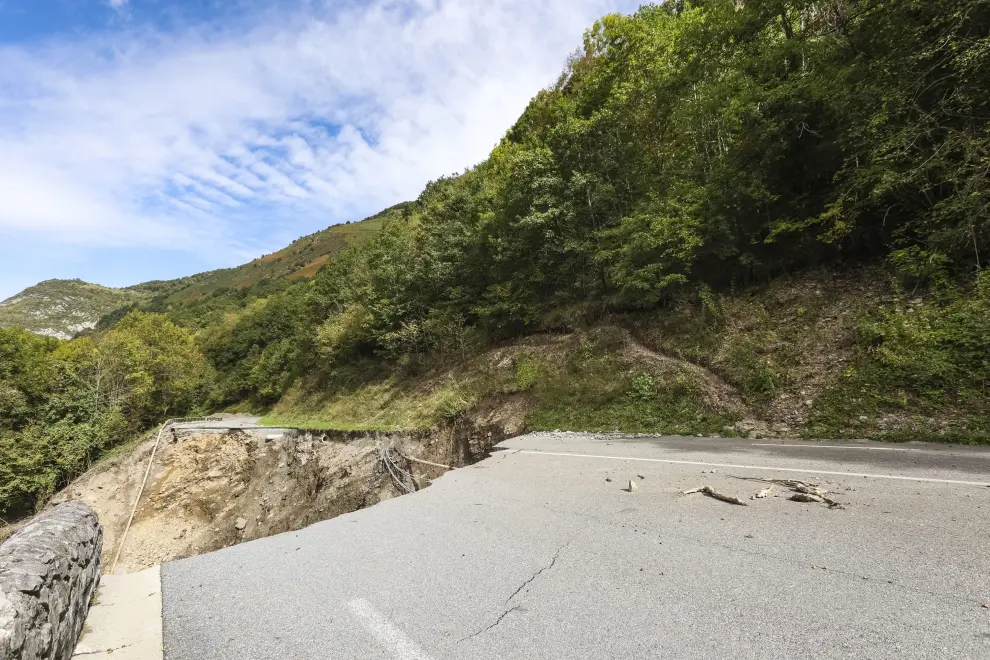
(216, 484)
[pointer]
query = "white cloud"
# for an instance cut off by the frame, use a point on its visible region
(239, 139)
(117, 4)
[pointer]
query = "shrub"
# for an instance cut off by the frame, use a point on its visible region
(644, 387)
(528, 371)
(340, 336)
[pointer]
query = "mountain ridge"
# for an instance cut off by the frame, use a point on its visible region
(63, 308)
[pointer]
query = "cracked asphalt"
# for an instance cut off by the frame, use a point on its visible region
(538, 552)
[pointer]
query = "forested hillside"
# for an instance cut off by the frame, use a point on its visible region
(732, 184)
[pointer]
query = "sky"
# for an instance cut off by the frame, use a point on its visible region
(151, 139)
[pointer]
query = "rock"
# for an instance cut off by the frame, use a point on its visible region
(608, 480)
(240, 524)
(632, 486)
(640, 477)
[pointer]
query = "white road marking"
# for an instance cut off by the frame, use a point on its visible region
(387, 634)
(762, 467)
(914, 449)
(777, 444)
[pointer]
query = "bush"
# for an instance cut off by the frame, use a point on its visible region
(644, 387)
(746, 364)
(339, 337)
(914, 267)
(528, 371)
(939, 349)
(918, 362)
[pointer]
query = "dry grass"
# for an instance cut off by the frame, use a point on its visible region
(312, 268)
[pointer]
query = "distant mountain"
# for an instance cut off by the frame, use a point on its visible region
(64, 308)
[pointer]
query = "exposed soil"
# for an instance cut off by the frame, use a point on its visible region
(209, 491)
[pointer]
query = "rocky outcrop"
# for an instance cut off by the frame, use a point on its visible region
(49, 570)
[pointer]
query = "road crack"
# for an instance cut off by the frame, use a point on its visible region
(504, 614)
(538, 573)
(497, 621)
(101, 651)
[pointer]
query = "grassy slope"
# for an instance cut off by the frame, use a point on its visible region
(785, 360)
(589, 381)
(302, 259)
(62, 308)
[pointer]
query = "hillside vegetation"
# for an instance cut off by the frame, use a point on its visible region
(207, 299)
(300, 260)
(725, 217)
(66, 308)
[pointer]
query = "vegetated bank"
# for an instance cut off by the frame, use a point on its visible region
(782, 205)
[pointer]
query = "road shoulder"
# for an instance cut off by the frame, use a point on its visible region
(126, 618)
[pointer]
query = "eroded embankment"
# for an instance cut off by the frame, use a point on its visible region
(209, 491)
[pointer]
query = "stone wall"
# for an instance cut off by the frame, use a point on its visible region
(49, 570)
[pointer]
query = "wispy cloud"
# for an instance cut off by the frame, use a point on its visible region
(238, 138)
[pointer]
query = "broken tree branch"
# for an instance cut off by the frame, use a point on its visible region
(711, 492)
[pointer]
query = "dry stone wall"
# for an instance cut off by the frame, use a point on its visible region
(49, 570)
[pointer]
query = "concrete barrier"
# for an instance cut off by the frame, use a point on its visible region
(49, 571)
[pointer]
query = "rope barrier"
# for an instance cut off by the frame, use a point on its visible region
(419, 460)
(147, 473)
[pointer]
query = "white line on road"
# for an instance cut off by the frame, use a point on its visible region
(761, 467)
(387, 634)
(914, 449)
(777, 444)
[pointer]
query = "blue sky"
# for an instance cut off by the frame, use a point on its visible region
(150, 139)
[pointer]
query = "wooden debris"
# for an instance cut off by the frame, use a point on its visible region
(803, 491)
(711, 492)
(763, 493)
(810, 490)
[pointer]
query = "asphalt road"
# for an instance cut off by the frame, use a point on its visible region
(533, 553)
(246, 423)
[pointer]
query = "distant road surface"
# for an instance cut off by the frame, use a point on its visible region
(535, 554)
